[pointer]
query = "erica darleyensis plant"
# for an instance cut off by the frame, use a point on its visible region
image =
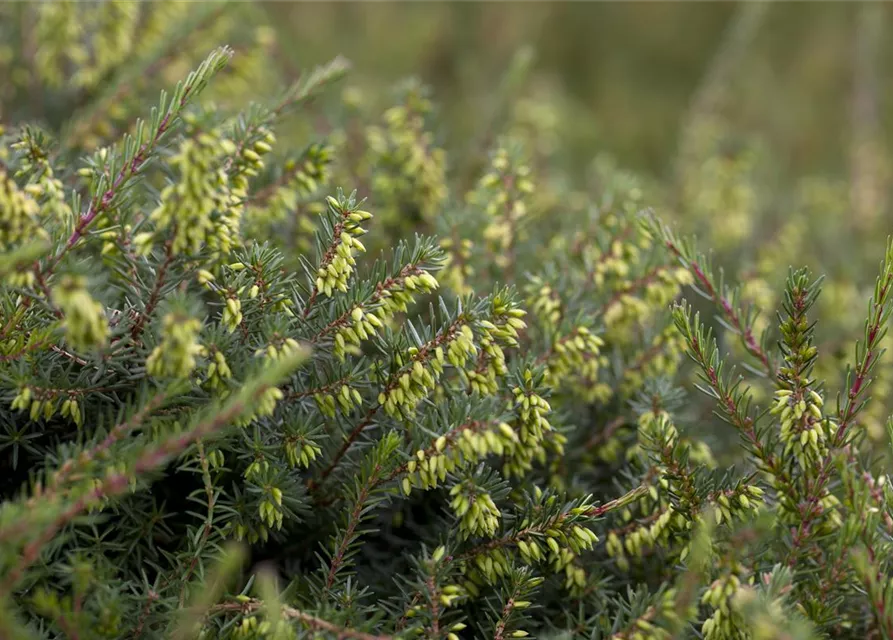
(173, 387)
(155, 413)
(268, 386)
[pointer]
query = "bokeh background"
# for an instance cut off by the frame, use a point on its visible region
(629, 71)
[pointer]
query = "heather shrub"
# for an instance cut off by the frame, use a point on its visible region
(267, 378)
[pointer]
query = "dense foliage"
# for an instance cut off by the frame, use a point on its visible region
(305, 367)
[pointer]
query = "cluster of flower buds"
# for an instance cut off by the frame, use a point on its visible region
(270, 512)
(449, 595)
(410, 170)
(71, 409)
(531, 428)
(665, 284)
(343, 396)
(660, 358)
(175, 356)
(231, 318)
(419, 375)
(484, 380)
(278, 347)
(204, 207)
(624, 311)
(301, 179)
(612, 262)
(42, 403)
(249, 532)
(725, 623)
(804, 429)
(502, 331)
(43, 184)
(557, 542)
(502, 192)
(486, 568)
(640, 298)
(461, 347)
(253, 628)
(270, 508)
(735, 504)
(232, 312)
(544, 302)
(264, 405)
(362, 325)
(564, 544)
(218, 371)
(112, 240)
(300, 452)
(462, 446)
(478, 514)
(646, 626)
(457, 267)
(258, 467)
(216, 458)
(241, 165)
(508, 321)
(574, 574)
(575, 355)
(250, 161)
(314, 170)
(635, 542)
(18, 214)
(86, 326)
(85, 43)
(194, 204)
(396, 298)
(338, 263)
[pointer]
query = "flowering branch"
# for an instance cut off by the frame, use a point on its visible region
(313, 622)
(151, 459)
(139, 149)
(738, 317)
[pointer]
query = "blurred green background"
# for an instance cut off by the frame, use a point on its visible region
(629, 70)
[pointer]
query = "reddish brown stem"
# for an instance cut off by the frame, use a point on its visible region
(101, 204)
(718, 298)
(140, 324)
(353, 521)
